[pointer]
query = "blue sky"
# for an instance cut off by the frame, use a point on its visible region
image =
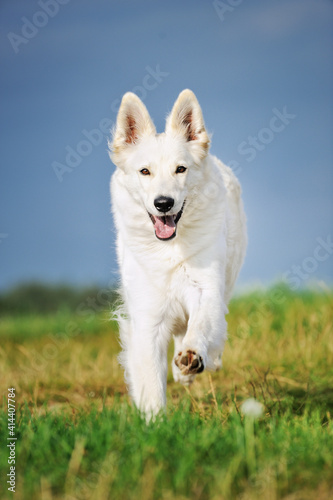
(246, 65)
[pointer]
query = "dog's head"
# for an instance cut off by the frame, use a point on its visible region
(161, 169)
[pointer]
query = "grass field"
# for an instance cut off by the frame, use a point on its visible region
(78, 436)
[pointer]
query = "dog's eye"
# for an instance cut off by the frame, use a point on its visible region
(145, 171)
(181, 169)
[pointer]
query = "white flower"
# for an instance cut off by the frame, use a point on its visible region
(252, 408)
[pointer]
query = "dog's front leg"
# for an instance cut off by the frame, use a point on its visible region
(204, 340)
(146, 364)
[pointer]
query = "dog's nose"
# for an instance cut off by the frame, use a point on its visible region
(164, 203)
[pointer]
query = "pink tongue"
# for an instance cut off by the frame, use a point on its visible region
(166, 230)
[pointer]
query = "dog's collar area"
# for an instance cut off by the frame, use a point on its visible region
(166, 225)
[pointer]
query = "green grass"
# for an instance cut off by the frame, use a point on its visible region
(80, 438)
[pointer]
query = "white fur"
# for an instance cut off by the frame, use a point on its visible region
(179, 287)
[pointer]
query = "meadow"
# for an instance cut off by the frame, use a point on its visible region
(78, 436)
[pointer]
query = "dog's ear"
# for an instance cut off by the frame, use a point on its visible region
(133, 122)
(186, 119)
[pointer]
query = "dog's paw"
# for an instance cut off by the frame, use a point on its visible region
(189, 362)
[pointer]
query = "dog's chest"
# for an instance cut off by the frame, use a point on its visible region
(181, 291)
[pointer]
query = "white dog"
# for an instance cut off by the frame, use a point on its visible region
(181, 242)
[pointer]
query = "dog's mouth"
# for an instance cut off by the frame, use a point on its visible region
(166, 225)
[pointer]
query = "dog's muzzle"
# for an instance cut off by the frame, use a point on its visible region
(166, 225)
